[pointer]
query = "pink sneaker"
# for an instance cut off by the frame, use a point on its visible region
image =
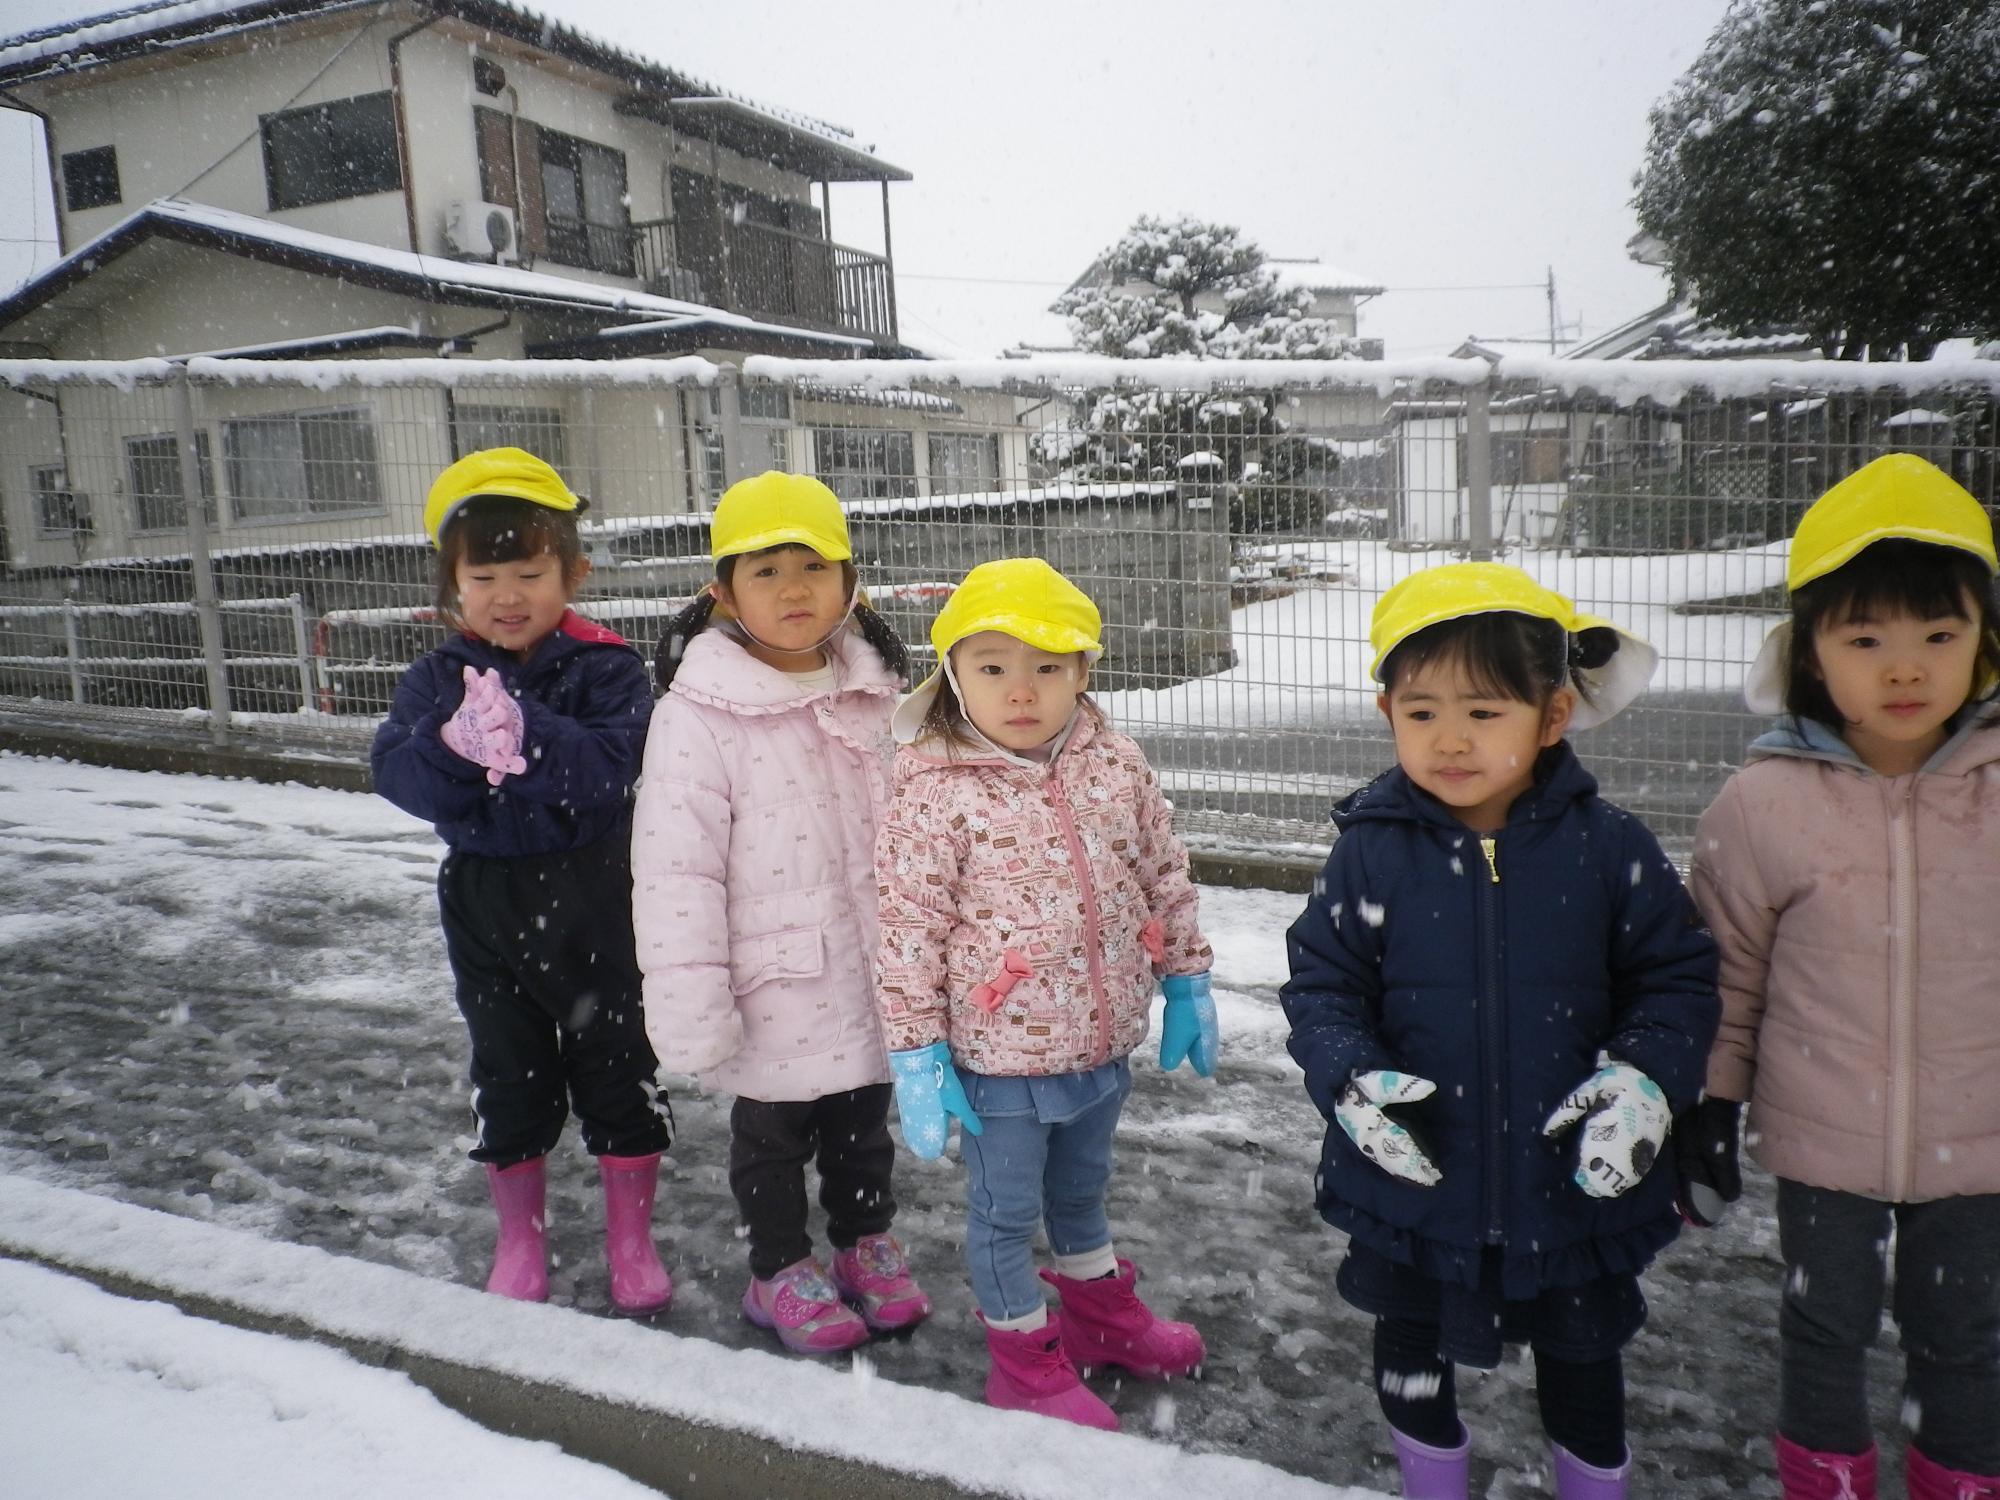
(875, 1278)
(802, 1307)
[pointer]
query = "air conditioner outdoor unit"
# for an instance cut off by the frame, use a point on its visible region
(484, 230)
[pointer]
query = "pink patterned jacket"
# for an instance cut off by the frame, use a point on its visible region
(1026, 910)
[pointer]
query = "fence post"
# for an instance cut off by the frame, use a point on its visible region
(74, 646)
(208, 612)
(1479, 470)
(729, 423)
(302, 642)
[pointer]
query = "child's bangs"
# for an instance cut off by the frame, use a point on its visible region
(1899, 577)
(1495, 655)
(507, 534)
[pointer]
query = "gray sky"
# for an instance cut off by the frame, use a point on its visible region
(1421, 144)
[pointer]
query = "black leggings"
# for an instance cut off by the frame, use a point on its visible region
(1583, 1405)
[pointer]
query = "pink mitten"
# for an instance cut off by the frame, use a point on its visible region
(488, 727)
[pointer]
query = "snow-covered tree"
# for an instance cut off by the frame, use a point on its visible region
(1188, 288)
(1832, 165)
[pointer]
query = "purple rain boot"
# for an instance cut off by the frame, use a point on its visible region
(1434, 1473)
(1577, 1480)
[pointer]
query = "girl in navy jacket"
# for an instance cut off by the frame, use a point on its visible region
(1500, 993)
(520, 740)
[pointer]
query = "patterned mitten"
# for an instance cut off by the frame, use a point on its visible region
(488, 727)
(1625, 1119)
(1389, 1144)
(927, 1092)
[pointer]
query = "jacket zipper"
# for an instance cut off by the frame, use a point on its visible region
(1053, 788)
(1491, 1074)
(1902, 993)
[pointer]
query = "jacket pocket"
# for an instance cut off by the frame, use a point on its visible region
(794, 953)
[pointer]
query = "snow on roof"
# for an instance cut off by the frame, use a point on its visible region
(83, 41)
(1318, 276)
(1918, 416)
(507, 283)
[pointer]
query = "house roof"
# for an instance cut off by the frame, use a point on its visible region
(429, 278)
(810, 145)
(1318, 276)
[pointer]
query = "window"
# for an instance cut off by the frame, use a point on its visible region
(755, 403)
(964, 463)
(297, 466)
(153, 470)
(864, 465)
(539, 429)
(90, 178)
(331, 151)
(58, 510)
(583, 200)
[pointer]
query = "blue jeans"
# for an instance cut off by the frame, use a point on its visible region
(1044, 1160)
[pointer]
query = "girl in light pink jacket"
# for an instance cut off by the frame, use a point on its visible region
(753, 899)
(1851, 874)
(1033, 894)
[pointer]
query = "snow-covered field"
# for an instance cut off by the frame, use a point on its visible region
(1303, 659)
(229, 1002)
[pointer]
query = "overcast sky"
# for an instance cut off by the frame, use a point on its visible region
(1423, 145)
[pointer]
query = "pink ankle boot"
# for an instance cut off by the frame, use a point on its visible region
(1031, 1372)
(873, 1277)
(1105, 1323)
(640, 1285)
(521, 1254)
(1434, 1473)
(1930, 1480)
(1806, 1475)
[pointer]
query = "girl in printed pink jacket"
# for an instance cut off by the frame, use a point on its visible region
(753, 899)
(1032, 888)
(1851, 874)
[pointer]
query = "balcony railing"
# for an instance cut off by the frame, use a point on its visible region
(774, 273)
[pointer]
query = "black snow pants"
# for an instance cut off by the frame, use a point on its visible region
(542, 954)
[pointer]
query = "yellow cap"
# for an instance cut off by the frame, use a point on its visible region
(512, 472)
(1898, 495)
(1019, 596)
(774, 509)
(1456, 590)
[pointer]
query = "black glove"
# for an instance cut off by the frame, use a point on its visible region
(1707, 1178)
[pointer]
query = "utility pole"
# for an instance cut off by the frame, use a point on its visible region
(1552, 309)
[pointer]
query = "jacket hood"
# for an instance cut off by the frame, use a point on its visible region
(718, 672)
(1968, 744)
(573, 633)
(1560, 780)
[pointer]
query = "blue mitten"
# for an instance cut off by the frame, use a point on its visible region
(927, 1093)
(1188, 1032)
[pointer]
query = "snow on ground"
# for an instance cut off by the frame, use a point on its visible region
(111, 1398)
(1303, 659)
(229, 1002)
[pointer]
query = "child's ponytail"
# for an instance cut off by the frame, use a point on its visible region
(690, 622)
(877, 632)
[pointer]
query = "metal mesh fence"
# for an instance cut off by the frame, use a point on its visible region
(1235, 522)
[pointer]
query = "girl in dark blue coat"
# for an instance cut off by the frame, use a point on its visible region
(1500, 994)
(520, 739)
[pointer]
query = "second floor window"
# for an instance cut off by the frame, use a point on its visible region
(301, 465)
(539, 429)
(583, 199)
(325, 152)
(90, 178)
(153, 469)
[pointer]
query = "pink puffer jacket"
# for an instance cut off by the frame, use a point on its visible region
(1859, 921)
(1025, 909)
(753, 872)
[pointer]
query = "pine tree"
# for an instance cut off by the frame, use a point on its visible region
(1832, 165)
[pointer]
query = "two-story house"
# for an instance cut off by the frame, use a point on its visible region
(307, 179)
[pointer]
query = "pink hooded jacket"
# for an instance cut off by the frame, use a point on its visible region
(1859, 921)
(753, 873)
(1024, 909)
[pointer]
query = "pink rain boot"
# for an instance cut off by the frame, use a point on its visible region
(1930, 1480)
(1806, 1475)
(1577, 1480)
(1105, 1323)
(1434, 1473)
(521, 1254)
(1032, 1373)
(800, 1305)
(640, 1285)
(874, 1277)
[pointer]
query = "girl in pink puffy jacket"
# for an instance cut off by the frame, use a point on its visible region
(1031, 891)
(1851, 874)
(754, 900)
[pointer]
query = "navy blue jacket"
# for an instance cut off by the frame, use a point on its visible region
(585, 703)
(1413, 955)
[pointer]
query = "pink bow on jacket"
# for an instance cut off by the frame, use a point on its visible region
(1013, 969)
